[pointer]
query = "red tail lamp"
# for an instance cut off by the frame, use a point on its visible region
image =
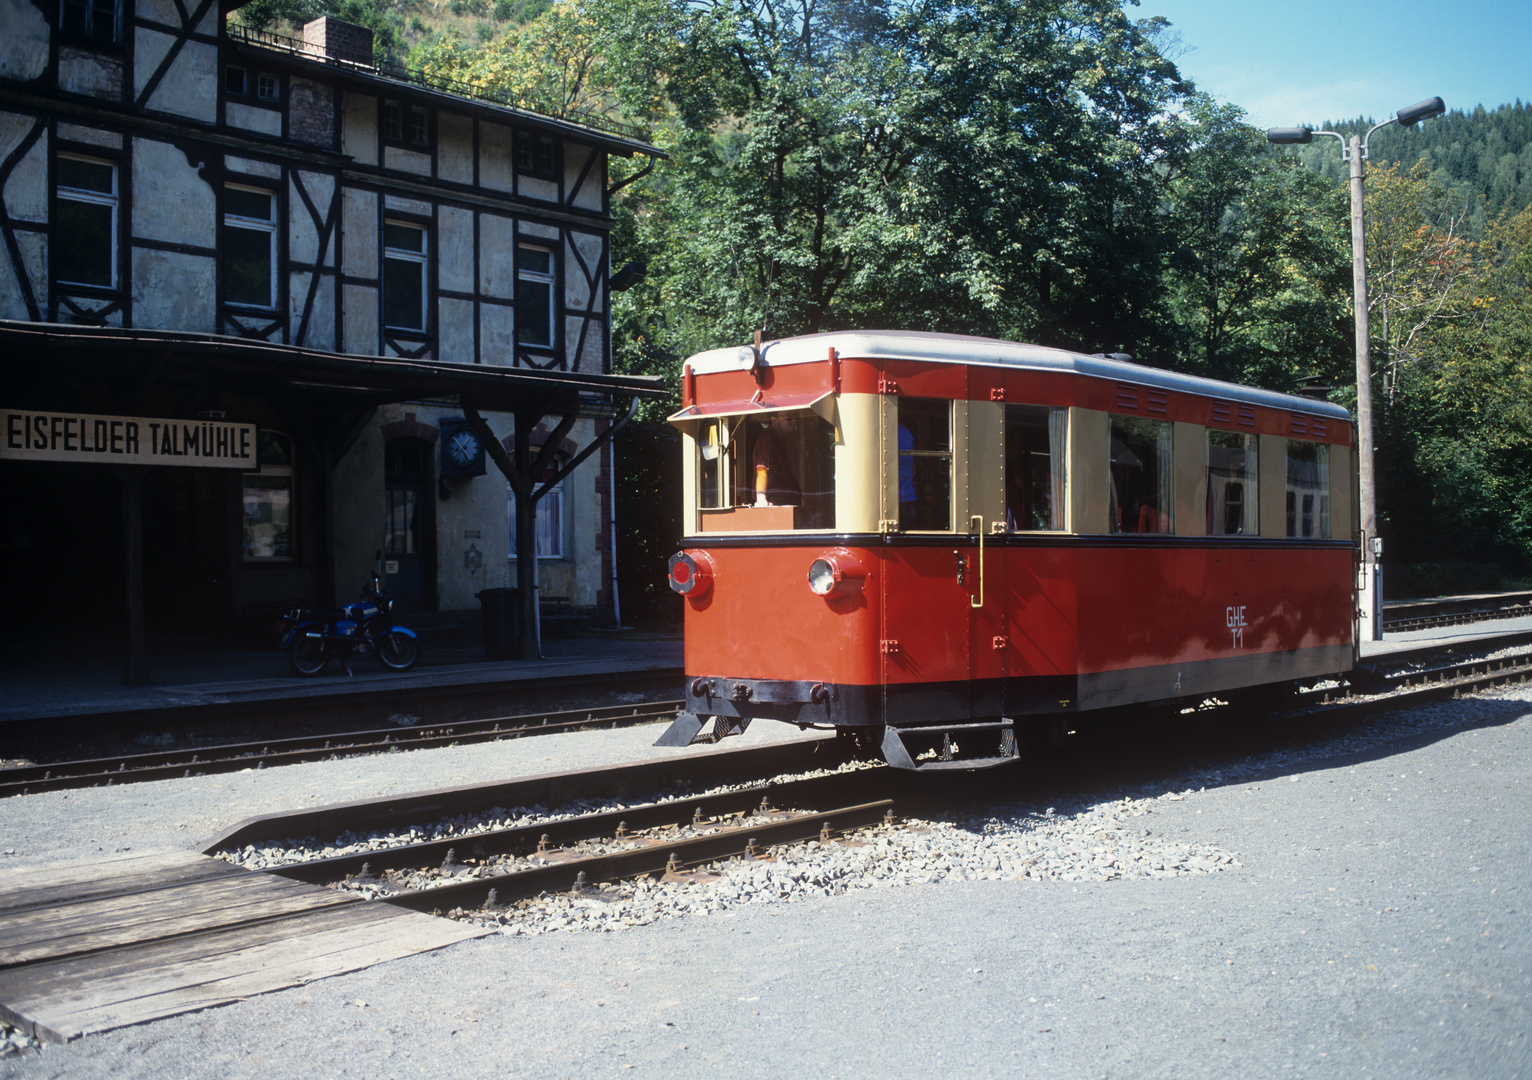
(837, 572)
(691, 573)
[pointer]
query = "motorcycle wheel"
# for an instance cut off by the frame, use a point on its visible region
(398, 651)
(308, 655)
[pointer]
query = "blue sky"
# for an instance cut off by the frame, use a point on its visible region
(1290, 62)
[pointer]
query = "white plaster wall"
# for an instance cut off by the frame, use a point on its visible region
(24, 44)
(360, 305)
(264, 169)
(497, 335)
(303, 234)
(454, 269)
(417, 207)
(26, 190)
(359, 127)
(190, 87)
(359, 510)
(90, 73)
(321, 325)
(471, 531)
(589, 196)
(454, 147)
(359, 234)
(497, 256)
(455, 317)
(160, 11)
(172, 291)
(533, 188)
(34, 257)
(592, 357)
(495, 160)
(410, 161)
(171, 201)
(577, 292)
(250, 118)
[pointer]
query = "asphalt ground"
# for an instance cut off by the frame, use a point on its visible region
(1378, 926)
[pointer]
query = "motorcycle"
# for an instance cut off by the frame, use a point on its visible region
(313, 635)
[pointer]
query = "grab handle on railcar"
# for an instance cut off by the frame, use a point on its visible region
(976, 523)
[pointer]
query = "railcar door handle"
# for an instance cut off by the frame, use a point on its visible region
(977, 524)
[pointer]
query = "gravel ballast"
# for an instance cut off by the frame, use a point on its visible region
(1359, 906)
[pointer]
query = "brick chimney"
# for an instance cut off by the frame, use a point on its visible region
(339, 40)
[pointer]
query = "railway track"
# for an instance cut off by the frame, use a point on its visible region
(267, 753)
(1455, 611)
(234, 757)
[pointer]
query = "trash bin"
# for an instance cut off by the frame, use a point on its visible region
(502, 622)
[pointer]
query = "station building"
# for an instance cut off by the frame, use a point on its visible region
(251, 289)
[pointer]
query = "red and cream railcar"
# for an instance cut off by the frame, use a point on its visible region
(933, 539)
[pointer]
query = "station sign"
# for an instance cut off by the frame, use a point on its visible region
(26, 435)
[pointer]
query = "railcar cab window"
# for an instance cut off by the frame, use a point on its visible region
(767, 472)
(85, 226)
(269, 501)
(925, 464)
(1308, 489)
(1233, 482)
(1035, 456)
(1140, 494)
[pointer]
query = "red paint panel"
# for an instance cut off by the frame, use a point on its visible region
(1058, 611)
(761, 621)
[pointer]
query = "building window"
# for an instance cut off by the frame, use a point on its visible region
(98, 20)
(84, 242)
(267, 88)
(1308, 489)
(534, 154)
(420, 127)
(236, 81)
(550, 523)
(249, 247)
(1141, 493)
(534, 296)
(404, 276)
(1232, 484)
(393, 121)
(269, 501)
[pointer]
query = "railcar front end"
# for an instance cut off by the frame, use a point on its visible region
(930, 541)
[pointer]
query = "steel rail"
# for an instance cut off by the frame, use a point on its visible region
(235, 757)
(602, 826)
(639, 861)
(1455, 611)
(551, 790)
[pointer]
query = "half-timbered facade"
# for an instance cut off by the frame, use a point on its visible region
(163, 172)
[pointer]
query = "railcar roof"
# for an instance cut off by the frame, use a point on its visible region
(959, 349)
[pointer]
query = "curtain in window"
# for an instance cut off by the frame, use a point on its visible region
(1058, 463)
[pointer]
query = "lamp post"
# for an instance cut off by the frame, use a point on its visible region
(1371, 585)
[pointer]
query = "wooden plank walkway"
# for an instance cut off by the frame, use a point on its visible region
(104, 943)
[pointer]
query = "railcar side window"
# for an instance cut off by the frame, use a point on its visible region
(925, 463)
(1035, 457)
(1141, 495)
(1308, 489)
(1232, 484)
(782, 459)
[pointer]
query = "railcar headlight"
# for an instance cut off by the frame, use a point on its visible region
(836, 572)
(691, 573)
